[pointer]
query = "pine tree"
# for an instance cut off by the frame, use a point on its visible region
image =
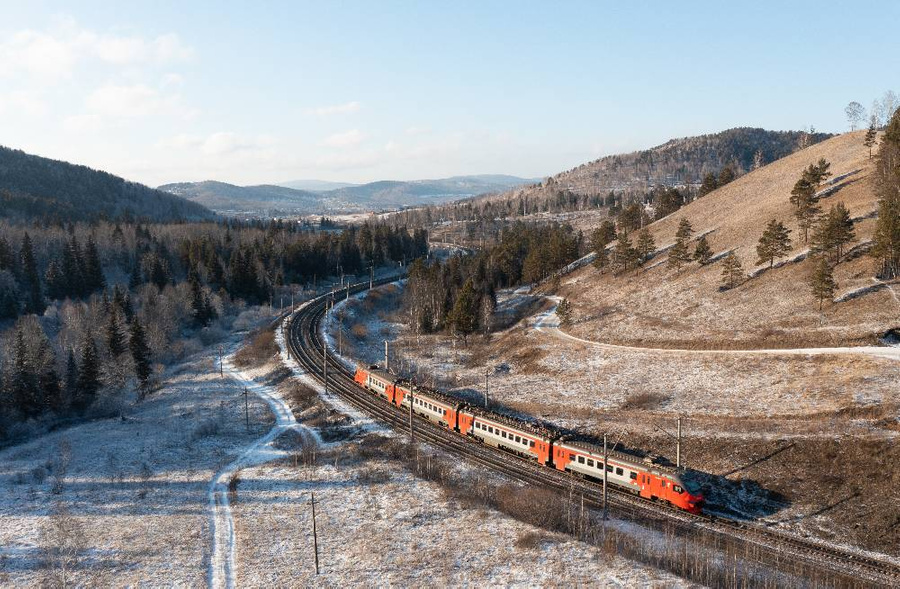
(679, 253)
(774, 243)
(732, 271)
(871, 136)
(726, 176)
(135, 280)
(833, 232)
(624, 254)
(464, 317)
(709, 183)
(34, 301)
(803, 197)
(115, 341)
(23, 386)
(822, 282)
(645, 245)
(71, 385)
(199, 306)
(93, 268)
(140, 352)
(88, 375)
(703, 253)
(886, 241)
(602, 259)
(564, 312)
(603, 235)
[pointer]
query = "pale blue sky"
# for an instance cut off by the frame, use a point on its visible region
(272, 91)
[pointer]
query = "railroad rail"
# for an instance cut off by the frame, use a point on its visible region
(305, 345)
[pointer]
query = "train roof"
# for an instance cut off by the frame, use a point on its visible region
(430, 392)
(640, 461)
(528, 426)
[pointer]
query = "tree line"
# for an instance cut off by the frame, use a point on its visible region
(460, 294)
(87, 310)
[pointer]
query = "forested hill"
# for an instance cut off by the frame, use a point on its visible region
(682, 163)
(33, 187)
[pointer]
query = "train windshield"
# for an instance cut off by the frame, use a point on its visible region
(690, 484)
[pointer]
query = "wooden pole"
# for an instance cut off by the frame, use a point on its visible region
(605, 463)
(325, 365)
(247, 408)
(221, 360)
(387, 365)
(678, 445)
(486, 389)
(315, 532)
(412, 437)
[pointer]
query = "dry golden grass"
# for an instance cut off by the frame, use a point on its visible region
(661, 307)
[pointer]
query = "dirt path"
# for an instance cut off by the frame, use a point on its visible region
(222, 561)
(548, 322)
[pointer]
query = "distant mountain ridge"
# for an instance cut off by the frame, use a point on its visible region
(677, 162)
(35, 187)
(278, 200)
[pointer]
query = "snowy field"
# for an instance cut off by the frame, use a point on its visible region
(133, 491)
(174, 493)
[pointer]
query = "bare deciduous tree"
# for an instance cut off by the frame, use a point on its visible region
(63, 544)
(856, 113)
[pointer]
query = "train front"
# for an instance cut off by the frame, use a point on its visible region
(689, 495)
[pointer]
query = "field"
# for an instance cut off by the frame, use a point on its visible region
(762, 424)
(131, 500)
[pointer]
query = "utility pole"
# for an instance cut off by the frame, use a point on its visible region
(372, 276)
(247, 408)
(386, 359)
(315, 532)
(292, 298)
(412, 437)
(347, 298)
(605, 469)
(340, 341)
(325, 365)
(678, 445)
(221, 360)
(487, 372)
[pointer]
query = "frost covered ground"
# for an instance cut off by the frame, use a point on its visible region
(137, 499)
(796, 439)
(134, 489)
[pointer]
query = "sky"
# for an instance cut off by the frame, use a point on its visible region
(268, 92)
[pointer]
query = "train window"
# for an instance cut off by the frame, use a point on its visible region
(608, 468)
(619, 471)
(581, 460)
(519, 439)
(633, 475)
(532, 443)
(503, 434)
(677, 489)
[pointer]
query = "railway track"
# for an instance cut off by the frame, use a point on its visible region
(305, 345)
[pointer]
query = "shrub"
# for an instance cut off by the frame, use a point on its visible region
(259, 346)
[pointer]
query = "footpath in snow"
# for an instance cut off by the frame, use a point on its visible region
(548, 322)
(222, 561)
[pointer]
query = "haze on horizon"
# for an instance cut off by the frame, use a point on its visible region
(167, 92)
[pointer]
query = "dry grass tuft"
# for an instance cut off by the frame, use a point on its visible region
(259, 347)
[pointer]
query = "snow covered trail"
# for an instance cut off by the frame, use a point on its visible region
(548, 322)
(222, 560)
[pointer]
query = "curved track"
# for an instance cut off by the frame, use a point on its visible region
(306, 346)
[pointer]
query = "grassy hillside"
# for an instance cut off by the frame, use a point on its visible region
(33, 187)
(659, 306)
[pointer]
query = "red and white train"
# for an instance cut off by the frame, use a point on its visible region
(543, 445)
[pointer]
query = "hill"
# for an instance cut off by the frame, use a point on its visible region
(315, 185)
(385, 194)
(34, 187)
(265, 199)
(611, 180)
(658, 306)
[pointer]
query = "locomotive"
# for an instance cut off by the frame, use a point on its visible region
(543, 445)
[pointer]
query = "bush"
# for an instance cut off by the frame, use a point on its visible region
(207, 428)
(359, 331)
(644, 400)
(258, 348)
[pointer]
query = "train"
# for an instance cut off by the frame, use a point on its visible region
(545, 445)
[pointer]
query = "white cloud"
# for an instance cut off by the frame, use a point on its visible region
(418, 130)
(82, 123)
(20, 102)
(219, 143)
(347, 139)
(57, 52)
(336, 109)
(135, 101)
